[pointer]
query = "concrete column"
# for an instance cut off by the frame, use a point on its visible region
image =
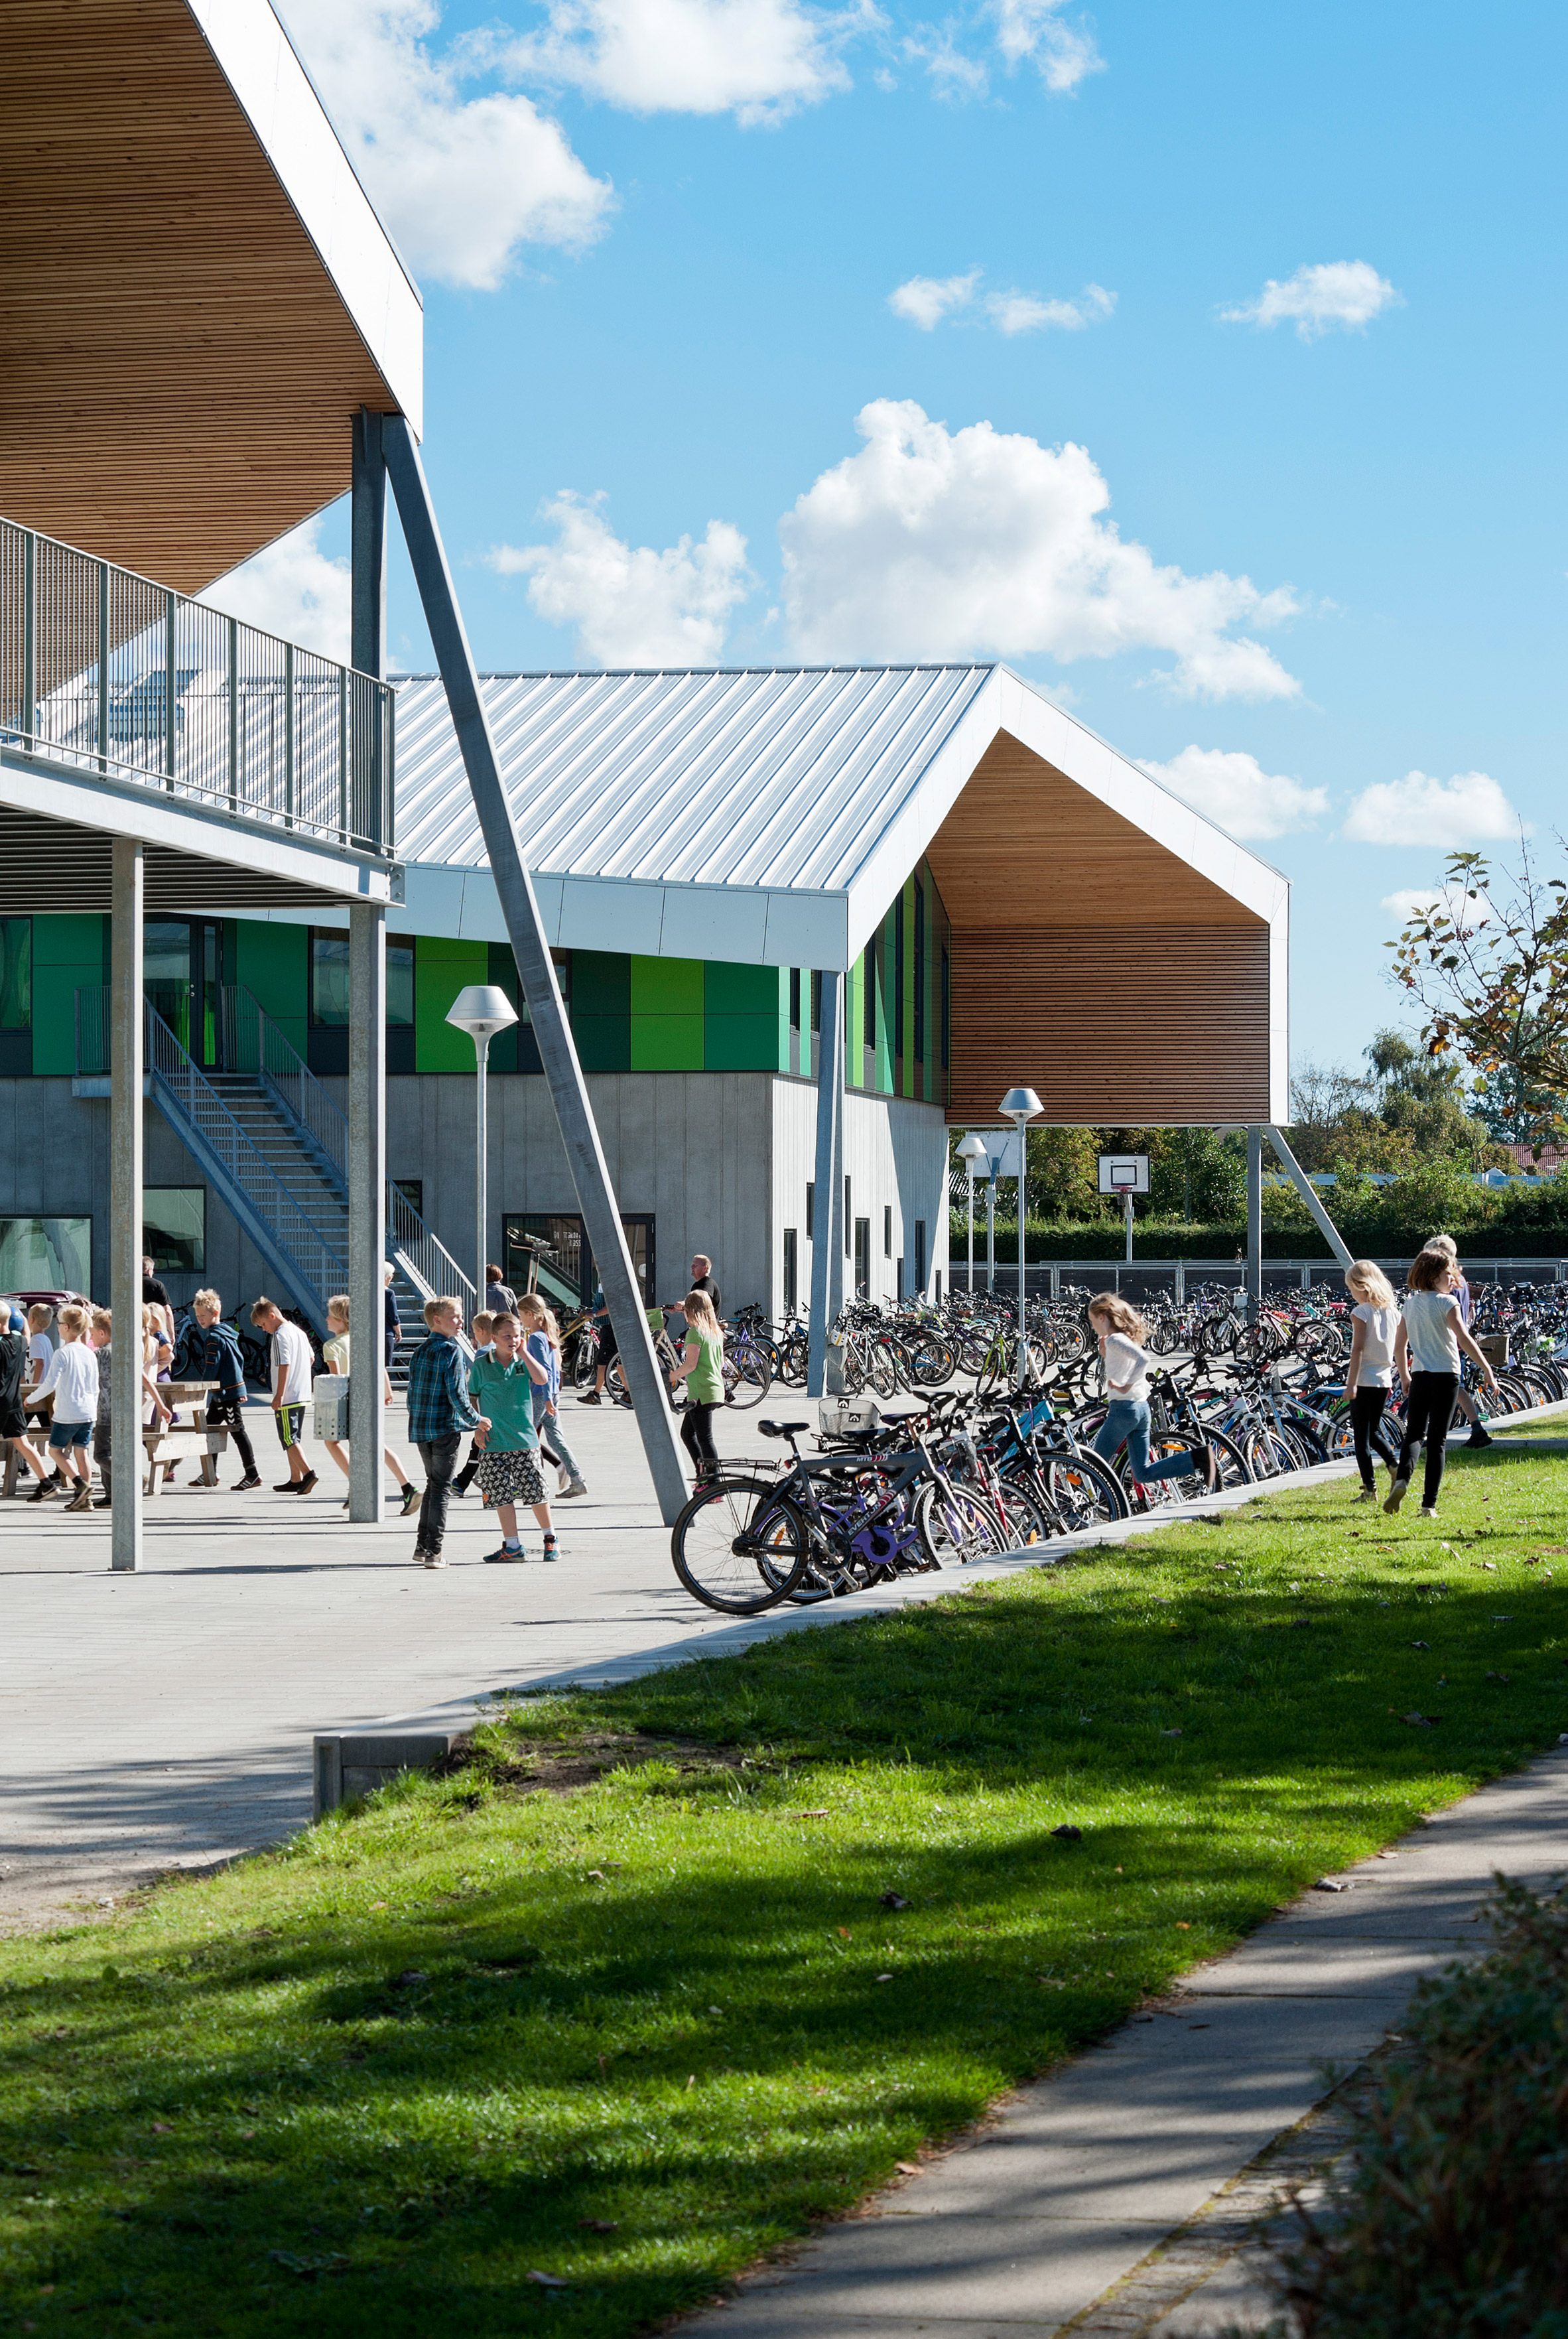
(127, 1029)
(367, 1203)
(1254, 1221)
(825, 1376)
(367, 547)
(525, 929)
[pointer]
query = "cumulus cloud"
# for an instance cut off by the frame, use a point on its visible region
(757, 59)
(1232, 789)
(1465, 909)
(925, 301)
(1025, 312)
(631, 607)
(1346, 293)
(933, 543)
(1036, 31)
(464, 180)
(293, 590)
(1442, 814)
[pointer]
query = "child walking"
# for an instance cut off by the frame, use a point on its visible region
(702, 1367)
(71, 1380)
(542, 1338)
(479, 1333)
(335, 1349)
(1369, 1375)
(1122, 1332)
(502, 1380)
(1458, 1283)
(1427, 1352)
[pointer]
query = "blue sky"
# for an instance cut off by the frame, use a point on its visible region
(1352, 564)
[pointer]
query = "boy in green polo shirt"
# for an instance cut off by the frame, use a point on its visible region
(501, 1381)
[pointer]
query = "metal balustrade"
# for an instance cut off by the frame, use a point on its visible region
(113, 675)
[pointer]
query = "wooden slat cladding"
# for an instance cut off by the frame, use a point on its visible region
(1129, 1022)
(179, 374)
(1024, 846)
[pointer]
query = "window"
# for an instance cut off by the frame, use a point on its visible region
(946, 1012)
(412, 1190)
(920, 1255)
(330, 979)
(16, 974)
(919, 972)
(816, 1000)
(868, 982)
(848, 1218)
(556, 1249)
(898, 978)
(174, 1229)
(791, 1271)
(562, 962)
(795, 999)
(887, 1230)
(862, 1259)
(45, 1254)
(810, 1212)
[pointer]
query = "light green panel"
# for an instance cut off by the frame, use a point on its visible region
(666, 1002)
(68, 954)
(441, 969)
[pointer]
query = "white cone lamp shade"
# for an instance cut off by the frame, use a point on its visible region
(972, 1149)
(481, 1009)
(1020, 1104)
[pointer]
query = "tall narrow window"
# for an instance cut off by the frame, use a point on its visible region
(791, 1271)
(862, 1259)
(946, 1010)
(794, 1000)
(919, 976)
(887, 1230)
(810, 1212)
(868, 977)
(816, 1000)
(920, 1255)
(848, 1218)
(898, 978)
(562, 962)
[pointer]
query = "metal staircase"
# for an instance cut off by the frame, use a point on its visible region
(274, 1143)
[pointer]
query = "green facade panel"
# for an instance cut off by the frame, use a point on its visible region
(442, 969)
(666, 1014)
(746, 1017)
(69, 952)
(602, 1010)
(273, 963)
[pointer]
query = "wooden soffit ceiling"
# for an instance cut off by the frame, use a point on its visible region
(180, 370)
(1025, 846)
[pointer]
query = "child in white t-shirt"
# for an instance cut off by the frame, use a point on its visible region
(1427, 1352)
(1369, 1375)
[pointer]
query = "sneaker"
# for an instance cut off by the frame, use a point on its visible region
(552, 1549)
(306, 1483)
(243, 1485)
(1480, 1437)
(82, 1500)
(432, 1558)
(104, 1502)
(591, 1397)
(412, 1494)
(45, 1492)
(56, 1479)
(1367, 1495)
(288, 1486)
(1429, 1510)
(504, 1558)
(464, 1480)
(1396, 1494)
(574, 1487)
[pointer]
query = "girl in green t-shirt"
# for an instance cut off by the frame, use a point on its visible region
(702, 1367)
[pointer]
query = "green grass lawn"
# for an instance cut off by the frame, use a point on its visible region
(806, 1913)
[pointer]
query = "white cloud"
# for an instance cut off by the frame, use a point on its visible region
(1065, 53)
(1440, 815)
(1466, 910)
(1233, 789)
(757, 59)
(462, 181)
(631, 607)
(937, 543)
(1344, 293)
(294, 590)
(925, 301)
(1025, 312)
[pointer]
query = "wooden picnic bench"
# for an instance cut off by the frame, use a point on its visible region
(166, 1446)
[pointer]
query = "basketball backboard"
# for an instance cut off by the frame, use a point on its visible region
(1124, 1173)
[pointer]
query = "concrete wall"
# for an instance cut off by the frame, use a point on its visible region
(895, 1157)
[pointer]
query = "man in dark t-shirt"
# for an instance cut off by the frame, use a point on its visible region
(154, 1295)
(702, 1280)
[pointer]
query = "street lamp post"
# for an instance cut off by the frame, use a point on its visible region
(481, 1009)
(971, 1150)
(1021, 1106)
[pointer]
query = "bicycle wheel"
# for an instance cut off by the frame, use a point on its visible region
(1083, 1491)
(739, 1547)
(955, 1527)
(1024, 1515)
(747, 1378)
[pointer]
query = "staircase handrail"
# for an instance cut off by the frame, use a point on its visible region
(297, 1232)
(427, 1262)
(285, 1074)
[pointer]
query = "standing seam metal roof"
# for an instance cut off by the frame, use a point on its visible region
(765, 777)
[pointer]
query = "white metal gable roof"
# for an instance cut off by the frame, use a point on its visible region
(761, 814)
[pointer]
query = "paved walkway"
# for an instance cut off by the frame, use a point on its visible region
(1115, 2196)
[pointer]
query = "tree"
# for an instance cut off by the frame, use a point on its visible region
(1487, 962)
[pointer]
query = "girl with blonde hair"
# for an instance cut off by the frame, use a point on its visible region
(1369, 1375)
(702, 1367)
(542, 1340)
(1122, 1333)
(335, 1349)
(1427, 1352)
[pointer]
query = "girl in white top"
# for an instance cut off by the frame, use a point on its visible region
(1122, 1332)
(1369, 1375)
(1427, 1351)
(335, 1349)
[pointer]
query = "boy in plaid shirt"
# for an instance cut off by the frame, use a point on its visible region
(439, 1413)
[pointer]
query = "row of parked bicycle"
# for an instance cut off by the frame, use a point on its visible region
(963, 1474)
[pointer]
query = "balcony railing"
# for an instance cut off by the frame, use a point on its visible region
(102, 670)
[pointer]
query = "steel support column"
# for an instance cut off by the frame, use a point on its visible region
(367, 1203)
(1254, 1222)
(127, 1028)
(824, 1372)
(552, 1030)
(368, 548)
(1310, 1196)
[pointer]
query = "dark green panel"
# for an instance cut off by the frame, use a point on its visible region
(272, 962)
(743, 1043)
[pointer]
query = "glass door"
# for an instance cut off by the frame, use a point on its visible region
(182, 971)
(166, 973)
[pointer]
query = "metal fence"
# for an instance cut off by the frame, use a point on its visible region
(1144, 1278)
(103, 670)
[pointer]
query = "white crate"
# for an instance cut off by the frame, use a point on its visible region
(329, 1397)
(848, 1416)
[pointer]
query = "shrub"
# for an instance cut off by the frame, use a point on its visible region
(1448, 2219)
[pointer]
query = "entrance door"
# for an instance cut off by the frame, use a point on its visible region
(182, 971)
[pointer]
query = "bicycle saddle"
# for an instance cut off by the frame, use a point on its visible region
(781, 1428)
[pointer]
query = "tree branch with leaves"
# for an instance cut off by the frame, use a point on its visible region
(1487, 962)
